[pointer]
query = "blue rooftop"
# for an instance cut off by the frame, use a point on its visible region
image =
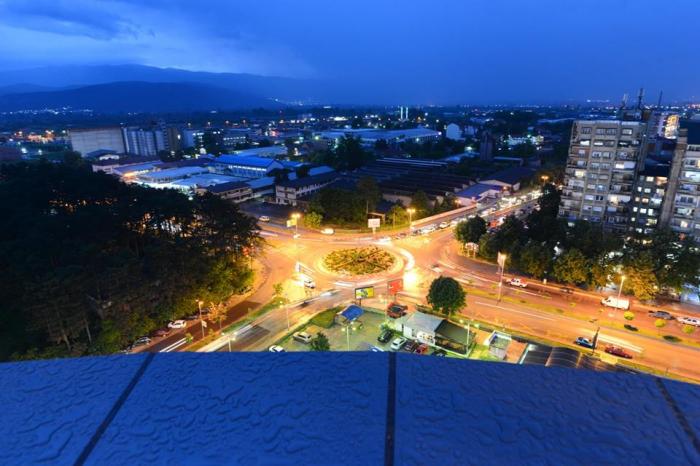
(245, 160)
(338, 408)
(352, 312)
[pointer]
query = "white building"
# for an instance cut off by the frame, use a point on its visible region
(90, 140)
(289, 192)
(246, 166)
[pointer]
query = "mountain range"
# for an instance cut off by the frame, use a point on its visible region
(138, 88)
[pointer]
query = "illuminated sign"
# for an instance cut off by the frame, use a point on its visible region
(395, 286)
(364, 293)
(373, 222)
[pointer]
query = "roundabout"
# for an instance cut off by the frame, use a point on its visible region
(359, 261)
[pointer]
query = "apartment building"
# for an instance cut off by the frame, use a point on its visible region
(681, 211)
(604, 159)
(649, 193)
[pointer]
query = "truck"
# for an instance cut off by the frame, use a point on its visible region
(617, 303)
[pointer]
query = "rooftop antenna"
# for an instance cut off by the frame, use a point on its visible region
(623, 104)
(640, 98)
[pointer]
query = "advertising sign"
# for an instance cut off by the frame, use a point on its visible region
(395, 286)
(364, 292)
(373, 222)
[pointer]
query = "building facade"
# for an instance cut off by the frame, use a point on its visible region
(90, 140)
(604, 159)
(649, 193)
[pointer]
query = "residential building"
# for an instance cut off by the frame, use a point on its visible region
(604, 158)
(235, 191)
(649, 193)
(681, 210)
(289, 192)
(144, 142)
(90, 140)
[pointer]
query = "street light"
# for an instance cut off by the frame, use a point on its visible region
(348, 328)
(296, 216)
(201, 321)
(619, 291)
(410, 211)
(502, 262)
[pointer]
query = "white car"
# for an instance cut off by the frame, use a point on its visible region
(516, 282)
(177, 324)
(398, 343)
(296, 235)
(384, 240)
(328, 231)
(689, 321)
(429, 229)
(302, 337)
(264, 218)
(276, 349)
(309, 283)
(443, 225)
(436, 268)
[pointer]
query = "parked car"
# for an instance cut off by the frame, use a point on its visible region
(177, 324)
(194, 316)
(276, 349)
(616, 303)
(443, 225)
(396, 310)
(661, 315)
(429, 229)
(410, 346)
(309, 283)
(328, 231)
(585, 342)
(384, 336)
(689, 321)
(142, 341)
(421, 349)
(264, 218)
(440, 352)
(398, 343)
(566, 290)
(618, 351)
(302, 337)
(516, 282)
(161, 332)
(296, 235)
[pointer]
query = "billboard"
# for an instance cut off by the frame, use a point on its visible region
(292, 222)
(395, 286)
(364, 292)
(373, 222)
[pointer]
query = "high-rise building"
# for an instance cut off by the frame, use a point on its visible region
(604, 159)
(87, 141)
(144, 142)
(649, 193)
(681, 210)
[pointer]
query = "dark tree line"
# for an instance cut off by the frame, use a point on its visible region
(90, 263)
(544, 246)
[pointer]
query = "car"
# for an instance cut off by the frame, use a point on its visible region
(398, 343)
(661, 315)
(585, 342)
(410, 346)
(142, 341)
(296, 235)
(429, 229)
(276, 349)
(161, 332)
(400, 235)
(440, 353)
(566, 290)
(516, 282)
(302, 337)
(421, 349)
(384, 336)
(618, 351)
(384, 240)
(396, 310)
(309, 283)
(689, 321)
(264, 218)
(375, 349)
(328, 231)
(177, 324)
(454, 222)
(443, 225)
(436, 268)
(205, 311)
(194, 316)
(616, 303)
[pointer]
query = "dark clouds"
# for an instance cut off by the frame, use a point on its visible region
(409, 50)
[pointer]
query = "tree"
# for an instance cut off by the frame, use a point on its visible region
(628, 315)
(313, 220)
(397, 215)
(320, 343)
(217, 313)
(488, 247)
(659, 324)
(471, 230)
(349, 154)
(278, 292)
(535, 259)
(571, 267)
(369, 192)
(446, 295)
(688, 329)
(421, 203)
(641, 277)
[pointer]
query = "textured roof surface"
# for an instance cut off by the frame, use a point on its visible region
(338, 408)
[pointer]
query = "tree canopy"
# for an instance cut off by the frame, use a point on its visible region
(446, 295)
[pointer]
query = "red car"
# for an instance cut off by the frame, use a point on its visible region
(396, 310)
(617, 351)
(161, 332)
(421, 349)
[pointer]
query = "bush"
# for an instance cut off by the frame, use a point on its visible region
(359, 261)
(326, 318)
(628, 315)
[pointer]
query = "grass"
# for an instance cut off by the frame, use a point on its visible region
(326, 318)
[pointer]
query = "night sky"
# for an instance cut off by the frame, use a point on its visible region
(419, 51)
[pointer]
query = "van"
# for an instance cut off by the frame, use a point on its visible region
(616, 303)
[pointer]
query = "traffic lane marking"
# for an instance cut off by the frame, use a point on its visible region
(514, 310)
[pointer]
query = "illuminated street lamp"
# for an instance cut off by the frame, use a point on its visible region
(619, 291)
(502, 257)
(410, 211)
(296, 216)
(201, 321)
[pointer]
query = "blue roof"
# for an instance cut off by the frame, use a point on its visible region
(245, 160)
(352, 312)
(366, 408)
(477, 190)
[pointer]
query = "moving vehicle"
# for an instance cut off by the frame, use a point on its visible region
(396, 310)
(398, 343)
(194, 316)
(428, 229)
(443, 225)
(309, 283)
(276, 349)
(302, 337)
(566, 290)
(177, 324)
(384, 240)
(689, 321)
(264, 218)
(384, 336)
(516, 282)
(616, 303)
(661, 315)
(161, 332)
(618, 351)
(296, 235)
(585, 342)
(142, 341)
(328, 231)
